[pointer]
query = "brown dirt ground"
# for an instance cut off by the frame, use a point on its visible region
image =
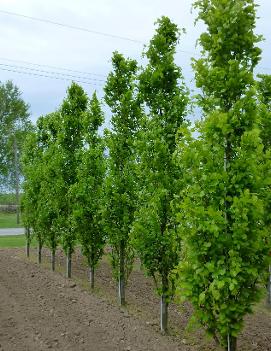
(41, 310)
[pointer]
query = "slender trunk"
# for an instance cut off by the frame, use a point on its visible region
(27, 235)
(27, 247)
(17, 208)
(269, 288)
(122, 276)
(91, 276)
(17, 180)
(231, 343)
(53, 260)
(164, 305)
(69, 264)
(39, 251)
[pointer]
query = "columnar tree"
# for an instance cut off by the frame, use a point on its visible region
(165, 96)
(120, 192)
(264, 97)
(32, 166)
(222, 210)
(69, 141)
(88, 190)
(50, 195)
(48, 215)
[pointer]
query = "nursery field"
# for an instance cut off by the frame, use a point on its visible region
(66, 315)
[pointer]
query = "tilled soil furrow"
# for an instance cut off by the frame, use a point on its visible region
(41, 310)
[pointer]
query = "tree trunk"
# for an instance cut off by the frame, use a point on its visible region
(164, 305)
(122, 276)
(39, 252)
(91, 276)
(27, 235)
(27, 247)
(69, 264)
(269, 288)
(17, 180)
(53, 260)
(231, 343)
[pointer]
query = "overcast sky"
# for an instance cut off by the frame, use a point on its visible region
(47, 44)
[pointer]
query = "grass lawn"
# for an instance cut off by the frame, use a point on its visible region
(8, 220)
(12, 241)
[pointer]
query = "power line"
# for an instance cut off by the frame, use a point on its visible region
(192, 53)
(52, 75)
(90, 31)
(71, 27)
(265, 68)
(48, 76)
(54, 67)
(66, 75)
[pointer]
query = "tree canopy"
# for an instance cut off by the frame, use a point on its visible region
(14, 125)
(222, 206)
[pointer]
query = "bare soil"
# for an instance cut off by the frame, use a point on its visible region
(42, 310)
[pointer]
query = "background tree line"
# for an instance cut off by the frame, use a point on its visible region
(14, 125)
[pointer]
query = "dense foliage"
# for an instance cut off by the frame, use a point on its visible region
(222, 209)
(31, 188)
(162, 89)
(264, 98)
(69, 141)
(193, 204)
(88, 189)
(120, 184)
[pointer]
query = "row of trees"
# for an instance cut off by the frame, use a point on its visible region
(195, 210)
(73, 191)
